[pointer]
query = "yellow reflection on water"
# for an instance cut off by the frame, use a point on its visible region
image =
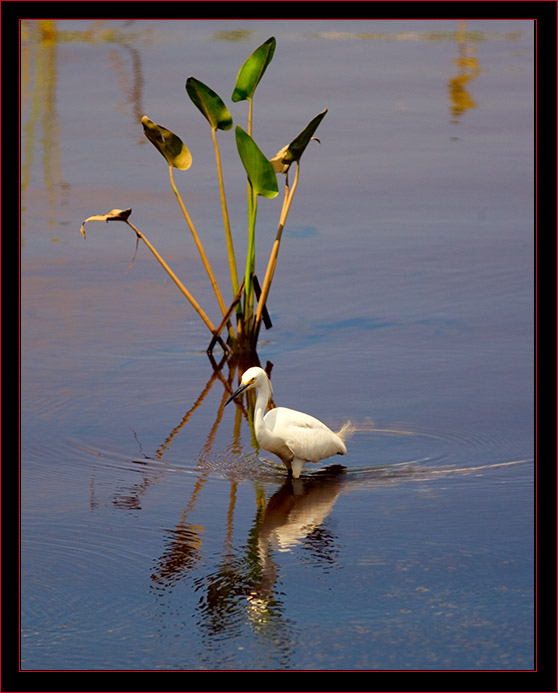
(468, 69)
(40, 126)
(39, 74)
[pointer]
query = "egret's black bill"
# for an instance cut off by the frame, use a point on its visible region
(235, 394)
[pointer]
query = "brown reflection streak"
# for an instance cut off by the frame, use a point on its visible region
(168, 440)
(184, 551)
(130, 498)
(132, 88)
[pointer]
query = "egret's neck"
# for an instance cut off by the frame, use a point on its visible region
(263, 395)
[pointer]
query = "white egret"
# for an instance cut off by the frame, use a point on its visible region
(295, 437)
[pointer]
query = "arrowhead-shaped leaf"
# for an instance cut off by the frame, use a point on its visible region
(252, 71)
(293, 151)
(210, 104)
(169, 144)
(260, 172)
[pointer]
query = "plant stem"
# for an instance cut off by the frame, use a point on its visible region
(227, 316)
(250, 101)
(176, 280)
(243, 326)
(270, 271)
(199, 245)
(230, 248)
(250, 256)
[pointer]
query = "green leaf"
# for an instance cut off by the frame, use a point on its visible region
(210, 104)
(260, 172)
(252, 71)
(169, 144)
(293, 151)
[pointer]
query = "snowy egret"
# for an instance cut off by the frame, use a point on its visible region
(295, 437)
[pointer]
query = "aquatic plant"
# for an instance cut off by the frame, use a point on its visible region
(248, 303)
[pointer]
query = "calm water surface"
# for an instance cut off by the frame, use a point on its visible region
(153, 534)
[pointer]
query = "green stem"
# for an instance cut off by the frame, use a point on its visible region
(250, 257)
(251, 252)
(250, 101)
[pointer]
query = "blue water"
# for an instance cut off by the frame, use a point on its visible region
(154, 536)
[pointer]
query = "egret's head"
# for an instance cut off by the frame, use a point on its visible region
(251, 378)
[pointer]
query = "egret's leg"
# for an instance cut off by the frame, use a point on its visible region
(296, 466)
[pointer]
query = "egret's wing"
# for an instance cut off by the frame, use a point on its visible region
(315, 444)
(307, 437)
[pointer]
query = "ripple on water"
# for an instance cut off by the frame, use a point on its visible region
(401, 445)
(381, 455)
(67, 568)
(86, 574)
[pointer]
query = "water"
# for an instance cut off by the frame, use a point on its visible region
(153, 536)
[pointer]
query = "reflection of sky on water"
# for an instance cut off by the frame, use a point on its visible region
(62, 112)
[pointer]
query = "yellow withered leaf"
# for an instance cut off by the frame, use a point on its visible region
(113, 215)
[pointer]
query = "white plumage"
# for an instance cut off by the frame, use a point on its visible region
(295, 437)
